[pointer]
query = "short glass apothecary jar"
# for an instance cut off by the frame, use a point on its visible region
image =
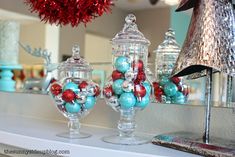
(128, 89)
(74, 93)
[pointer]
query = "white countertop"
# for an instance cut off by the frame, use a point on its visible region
(39, 134)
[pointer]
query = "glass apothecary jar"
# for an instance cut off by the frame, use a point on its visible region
(168, 89)
(128, 89)
(74, 93)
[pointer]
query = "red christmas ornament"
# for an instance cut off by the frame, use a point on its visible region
(117, 75)
(180, 88)
(176, 80)
(53, 80)
(139, 91)
(141, 77)
(68, 95)
(63, 12)
(158, 94)
(83, 85)
(56, 89)
(97, 90)
(138, 65)
(156, 85)
(108, 92)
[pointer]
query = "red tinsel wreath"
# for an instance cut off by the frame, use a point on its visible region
(72, 12)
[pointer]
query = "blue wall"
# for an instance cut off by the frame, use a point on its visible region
(180, 22)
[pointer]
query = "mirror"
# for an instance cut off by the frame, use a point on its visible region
(94, 41)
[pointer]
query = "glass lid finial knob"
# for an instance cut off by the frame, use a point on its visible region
(130, 19)
(76, 51)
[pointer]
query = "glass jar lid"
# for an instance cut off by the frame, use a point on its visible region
(130, 33)
(75, 63)
(169, 45)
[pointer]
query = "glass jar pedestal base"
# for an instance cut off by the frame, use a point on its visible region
(74, 130)
(126, 127)
(123, 140)
(73, 135)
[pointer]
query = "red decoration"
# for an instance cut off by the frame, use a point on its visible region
(158, 94)
(56, 89)
(180, 88)
(141, 77)
(68, 95)
(176, 80)
(53, 80)
(117, 75)
(156, 85)
(97, 90)
(63, 12)
(108, 92)
(83, 85)
(138, 65)
(139, 91)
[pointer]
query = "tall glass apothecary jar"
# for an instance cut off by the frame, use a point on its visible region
(128, 89)
(74, 93)
(166, 88)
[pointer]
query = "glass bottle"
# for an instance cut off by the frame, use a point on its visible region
(128, 89)
(74, 93)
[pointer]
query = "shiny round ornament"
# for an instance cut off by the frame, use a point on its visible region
(130, 75)
(139, 65)
(83, 85)
(179, 98)
(72, 107)
(117, 86)
(139, 91)
(158, 94)
(58, 99)
(97, 90)
(72, 86)
(141, 77)
(122, 64)
(128, 86)
(68, 95)
(170, 89)
(117, 75)
(127, 100)
(90, 89)
(144, 102)
(176, 80)
(108, 91)
(164, 80)
(147, 87)
(81, 98)
(156, 85)
(56, 89)
(90, 102)
(113, 102)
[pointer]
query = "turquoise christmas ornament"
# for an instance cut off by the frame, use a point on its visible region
(90, 102)
(71, 85)
(127, 100)
(72, 107)
(179, 98)
(147, 87)
(117, 86)
(170, 89)
(144, 102)
(122, 64)
(164, 80)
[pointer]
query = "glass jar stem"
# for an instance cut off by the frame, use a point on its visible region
(74, 126)
(126, 124)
